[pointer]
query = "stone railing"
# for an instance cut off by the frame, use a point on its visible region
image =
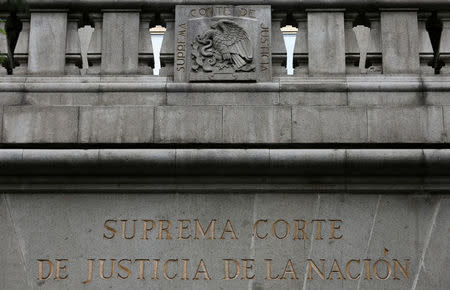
(83, 74)
(327, 42)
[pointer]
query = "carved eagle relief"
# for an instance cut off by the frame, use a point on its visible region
(225, 44)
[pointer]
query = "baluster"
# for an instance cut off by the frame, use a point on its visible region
(85, 36)
(361, 28)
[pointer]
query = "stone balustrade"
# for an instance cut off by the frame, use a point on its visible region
(77, 70)
(326, 43)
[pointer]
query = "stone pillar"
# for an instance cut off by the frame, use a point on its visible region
(400, 41)
(47, 44)
(168, 45)
(145, 44)
(326, 42)
(301, 45)
(278, 47)
(120, 42)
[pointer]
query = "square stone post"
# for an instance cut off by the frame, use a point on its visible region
(47, 44)
(120, 42)
(400, 41)
(326, 42)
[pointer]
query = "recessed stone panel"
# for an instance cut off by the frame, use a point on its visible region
(30, 124)
(126, 124)
(228, 241)
(222, 43)
(196, 124)
(329, 124)
(262, 124)
(405, 124)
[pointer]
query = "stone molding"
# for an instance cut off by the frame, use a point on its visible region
(374, 4)
(225, 170)
(405, 83)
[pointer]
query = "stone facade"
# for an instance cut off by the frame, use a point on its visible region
(223, 171)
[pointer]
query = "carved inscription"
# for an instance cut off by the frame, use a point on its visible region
(221, 11)
(181, 48)
(223, 43)
(265, 47)
(168, 268)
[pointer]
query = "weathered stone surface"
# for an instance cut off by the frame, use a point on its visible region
(116, 124)
(405, 124)
(400, 41)
(385, 99)
(3, 41)
(61, 99)
(47, 43)
(267, 154)
(242, 98)
(95, 46)
(145, 41)
(416, 215)
(313, 98)
(72, 40)
(24, 36)
(196, 124)
(329, 124)
(120, 42)
(375, 227)
(40, 124)
(357, 212)
(244, 124)
(431, 271)
(11, 98)
(135, 99)
(326, 42)
(14, 274)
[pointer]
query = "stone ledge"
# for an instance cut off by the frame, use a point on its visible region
(227, 162)
(300, 4)
(225, 170)
(406, 83)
